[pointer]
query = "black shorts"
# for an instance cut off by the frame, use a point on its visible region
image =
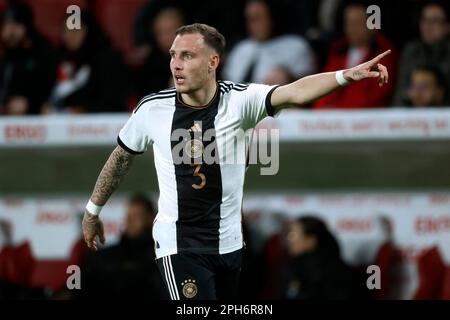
(192, 276)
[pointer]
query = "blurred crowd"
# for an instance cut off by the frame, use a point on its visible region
(272, 42)
(301, 260)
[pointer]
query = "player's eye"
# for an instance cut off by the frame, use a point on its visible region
(188, 56)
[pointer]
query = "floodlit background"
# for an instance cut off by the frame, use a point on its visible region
(371, 163)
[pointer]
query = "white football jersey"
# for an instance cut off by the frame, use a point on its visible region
(200, 201)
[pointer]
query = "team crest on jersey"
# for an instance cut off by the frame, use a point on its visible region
(189, 288)
(194, 148)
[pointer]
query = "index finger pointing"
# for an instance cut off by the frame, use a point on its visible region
(382, 55)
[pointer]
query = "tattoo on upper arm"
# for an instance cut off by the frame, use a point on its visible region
(113, 171)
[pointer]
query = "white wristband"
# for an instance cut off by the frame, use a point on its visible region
(92, 208)
(340, 78)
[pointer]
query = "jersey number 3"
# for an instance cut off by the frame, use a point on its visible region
(197, 173)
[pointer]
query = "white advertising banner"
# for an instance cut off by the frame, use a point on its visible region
(293, 125)
(61, 130)
(379, 124)
(53, 225)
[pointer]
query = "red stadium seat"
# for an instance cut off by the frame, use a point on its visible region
(275, 257)
(445, 295)
(385, 259)
(52, 274)
(78, 253)
(117, 17)
(431, 270)
(3, 6)
(49, 15)
(16, 264)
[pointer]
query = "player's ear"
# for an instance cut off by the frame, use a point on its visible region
(213, 63)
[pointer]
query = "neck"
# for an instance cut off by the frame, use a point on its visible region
(202, 96)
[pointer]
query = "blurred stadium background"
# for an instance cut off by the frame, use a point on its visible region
(377, 173)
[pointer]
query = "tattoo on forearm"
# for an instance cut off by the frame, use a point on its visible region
(357, 75)
(90, 222)
(113, 171)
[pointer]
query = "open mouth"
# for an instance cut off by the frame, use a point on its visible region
(179, 79)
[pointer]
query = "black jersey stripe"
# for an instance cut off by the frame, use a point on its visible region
(225, 84)
(228, 84)
(233, 84)
(241, 85)
(227, 87)
(162, 92)
(240, 89)
(198, 223)
(169, 90)
(235, 89)
(155, 97)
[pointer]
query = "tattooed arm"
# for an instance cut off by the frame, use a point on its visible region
(312, 87)
(113, 171)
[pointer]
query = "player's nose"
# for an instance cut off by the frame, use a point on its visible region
(177, 65)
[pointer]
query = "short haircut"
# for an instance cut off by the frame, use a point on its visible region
(211, 36)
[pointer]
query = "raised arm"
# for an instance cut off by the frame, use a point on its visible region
(312, 87)
(115, 168)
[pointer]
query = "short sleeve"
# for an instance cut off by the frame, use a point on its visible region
(133, 137)
(257, 104)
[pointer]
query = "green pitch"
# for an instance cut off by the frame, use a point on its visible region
(315, 167)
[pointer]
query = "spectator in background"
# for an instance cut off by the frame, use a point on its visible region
(358, 45)
(225, 16)
(155, 75)
(318, 21)
(321, 21)
(386, 258)
(427, 87)
(90, 76)
(143, 28)
(432, 48)
(267, 56)
(26, 73)
(16, 266)
(127, 270)
(316, 270)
